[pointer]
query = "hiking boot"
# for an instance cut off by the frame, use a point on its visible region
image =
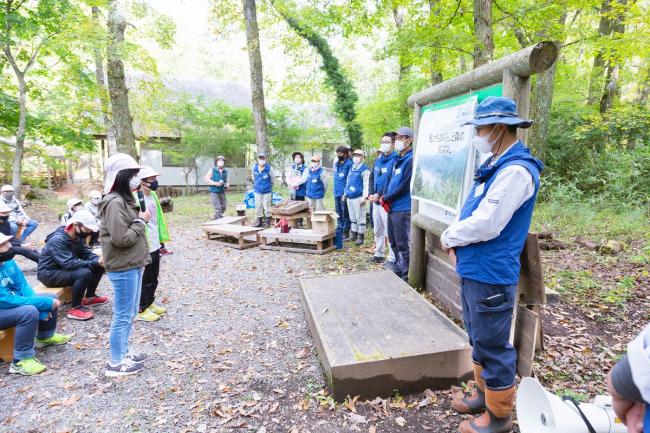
(165, 252)
(497, 418)
(158, 310)
(54, 340)
(353, 236)
(375, 259)
(258, 222)
(475, 403)
(80, 313)
(138, 358)
(123, 368)
(27, 367)
(93, 301)
(147, 315)
(346, 235)
(360, 239)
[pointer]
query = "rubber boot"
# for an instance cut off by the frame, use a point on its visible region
(475, 403)
(267, 224)
(497, 418)
(258, 222)
(353, 236)
(360, 239)
(346, 235)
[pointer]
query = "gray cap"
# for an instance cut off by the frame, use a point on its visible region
(405, 131)
(261, 155)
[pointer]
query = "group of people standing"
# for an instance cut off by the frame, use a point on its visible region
(131, 229)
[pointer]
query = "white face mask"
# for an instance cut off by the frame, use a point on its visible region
(400, 145)
(219, 163)
(314, 164)
(134, 183)
(262, 161)
(356, 160)
(483, 144)
(384, 147)
(298, 160)
(94, 200)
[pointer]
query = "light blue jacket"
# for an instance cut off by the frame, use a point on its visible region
(16, 292)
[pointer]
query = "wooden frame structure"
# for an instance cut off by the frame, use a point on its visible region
(430, 268)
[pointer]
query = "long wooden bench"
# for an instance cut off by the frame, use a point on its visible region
(63, 293)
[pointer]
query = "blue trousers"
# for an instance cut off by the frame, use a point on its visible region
(399, 234)
(341, 208)
(487, 322)
(127, 288)
(25, 319)
(29, 229)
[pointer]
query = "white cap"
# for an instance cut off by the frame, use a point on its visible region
(4, 207)
(115, 164)
(73, 201)
(85, 218)
(4, 238)
(95, 194)
(6, 188)
(146, 171)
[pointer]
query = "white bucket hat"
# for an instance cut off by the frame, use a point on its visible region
(95, 194)
(73, 202)
(85, 218)
(146, 171)
(115, 164)
(7, 188)
(4, 238)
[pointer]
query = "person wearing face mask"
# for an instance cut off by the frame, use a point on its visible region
(341, 171)
(18, 217)
(356, 196)
(263, 175)
(92, 207)
(125, 251)
(316, 180)
(74, 204)
(157, 233)
(381, 170)
(217, 178)
(485, 244)
(66, 260)
(17, 247)
(34, 316)
(297, 171)
(396, 199)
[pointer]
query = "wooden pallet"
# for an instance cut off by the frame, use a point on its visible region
(293, 219)
(234, 236)
(297, 241)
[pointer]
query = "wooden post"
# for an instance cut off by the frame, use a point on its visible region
(417, 256)
(518, 88)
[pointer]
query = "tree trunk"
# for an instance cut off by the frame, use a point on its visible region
(644, 86)
(611, 91)
(436, 75)
(598, 68)
(122, 120)
(484, 49)
(101, 88)
(20, 136)
(257, 77)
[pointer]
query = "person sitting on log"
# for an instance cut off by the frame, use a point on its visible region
(485, 245)
(18, 218)
(20, 249)
(34, 316)
(74, 204)
(66, 260)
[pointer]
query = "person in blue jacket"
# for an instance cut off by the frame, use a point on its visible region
(263, 176)
(396, 199)
(341, 170)
(217, 178)
(485, 244)
(33, 316)
(299, 190)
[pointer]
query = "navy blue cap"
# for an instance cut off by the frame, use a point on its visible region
(498, 109)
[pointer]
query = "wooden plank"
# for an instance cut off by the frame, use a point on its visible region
(372, 342)
(241, 220)
(296, 235)
(525, 336)
(7, 344)
(231, 229)
(297, 250)
(63, 293)
(531, 279)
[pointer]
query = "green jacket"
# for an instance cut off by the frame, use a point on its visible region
(163, 232)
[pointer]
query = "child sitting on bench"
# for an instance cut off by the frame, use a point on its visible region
(33, 315)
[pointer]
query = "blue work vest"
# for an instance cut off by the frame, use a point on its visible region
(354, 187)
(315, 186)
(401, 203)
(341, 170)
(262, 182)
(383, 168)
(302, 189)
(497, 261)
(218, 177)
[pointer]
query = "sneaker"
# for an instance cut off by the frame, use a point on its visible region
(80, 313)
(94, 301)
(54, 340)
(375, 259)
(124, 368)
(138, 358)
(157, 310)
(27, 367)
(165, 252)
(147, 316)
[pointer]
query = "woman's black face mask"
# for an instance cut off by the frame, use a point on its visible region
(152, 185)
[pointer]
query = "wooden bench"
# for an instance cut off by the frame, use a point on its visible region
(294, 219)
(297, 241)
(235, 220)
(234, 236)
(63, 293)
(7, 344)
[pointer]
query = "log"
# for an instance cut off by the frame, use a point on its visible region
(524, 63)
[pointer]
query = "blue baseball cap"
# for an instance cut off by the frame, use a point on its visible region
(498, 109)
(405, 131)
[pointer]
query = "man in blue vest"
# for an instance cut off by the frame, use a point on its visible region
(381, 171)
(217, 178)
(396, 199)
(315, 180)
(356, 196)
(341, 170)
(297, 170)
(263, 175)
(485, 244)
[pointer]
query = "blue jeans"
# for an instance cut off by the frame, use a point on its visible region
(341, 208)
(488, 326)
(126, 286)
(29, 229)
(25, 319)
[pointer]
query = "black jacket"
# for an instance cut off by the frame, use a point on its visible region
(63, 253)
